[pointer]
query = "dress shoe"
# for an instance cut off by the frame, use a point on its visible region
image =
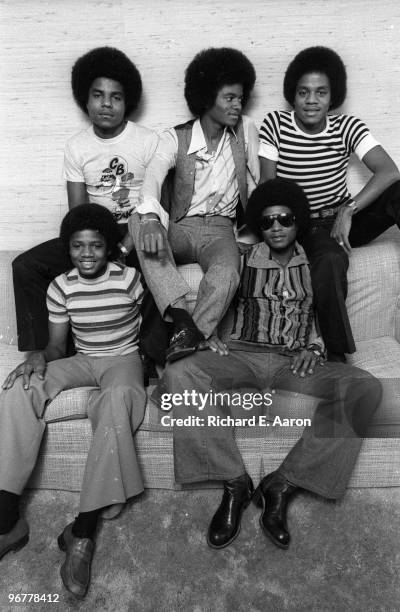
(225, 524)
(75, 571)
(184, 342)
(15, 539)
(273, 494)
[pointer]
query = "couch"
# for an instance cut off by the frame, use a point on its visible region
(374, 309)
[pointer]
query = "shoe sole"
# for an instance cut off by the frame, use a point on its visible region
(180, 355)
(16, 546)
(258, 499)
(61, 543)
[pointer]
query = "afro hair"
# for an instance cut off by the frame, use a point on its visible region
(317, 59)
(210, 70)
(109, 63)
(278, 192)
(91, 217)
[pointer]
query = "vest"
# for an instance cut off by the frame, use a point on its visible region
(178, 187)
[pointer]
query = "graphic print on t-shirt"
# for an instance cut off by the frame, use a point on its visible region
(115, 182)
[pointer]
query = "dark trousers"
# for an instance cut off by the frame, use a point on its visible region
(33, 271)
(329, 263)
(323, 458)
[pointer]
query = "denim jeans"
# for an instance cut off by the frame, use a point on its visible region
(323, 458)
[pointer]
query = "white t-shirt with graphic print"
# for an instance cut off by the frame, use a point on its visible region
(113, 169)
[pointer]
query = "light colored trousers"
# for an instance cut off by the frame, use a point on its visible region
(112, 474)
(208, 241)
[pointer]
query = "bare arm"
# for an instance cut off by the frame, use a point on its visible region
(267, 169)
(384, 173)
(36, 362)
(77, 194)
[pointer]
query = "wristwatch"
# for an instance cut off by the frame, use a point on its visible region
(123, 249)
(316, 349)
(352, 205)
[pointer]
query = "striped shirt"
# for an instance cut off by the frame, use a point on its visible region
(274, 302)
(317, 162)
(103, 312)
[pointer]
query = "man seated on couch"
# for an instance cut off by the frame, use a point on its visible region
(104, 163)
(100, 301)
(273, 344)
(215, 164)
(312, 146)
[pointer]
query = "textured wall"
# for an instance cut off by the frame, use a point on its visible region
(41, 39)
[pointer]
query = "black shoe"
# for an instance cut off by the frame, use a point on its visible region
(273, 494)
(225, 524)
(184, 342)
(75, 571)
(15, 539)
(336, 357)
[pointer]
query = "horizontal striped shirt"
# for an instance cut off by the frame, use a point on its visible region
(274, 302)
(317, 162)
(103, 312)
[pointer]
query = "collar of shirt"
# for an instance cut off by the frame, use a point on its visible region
(260, 257)
(91, 281)
(198, 141)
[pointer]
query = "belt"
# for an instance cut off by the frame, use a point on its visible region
(326, 212)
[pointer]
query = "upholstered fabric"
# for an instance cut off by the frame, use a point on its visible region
(374, 309)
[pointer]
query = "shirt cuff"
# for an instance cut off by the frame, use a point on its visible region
(151, 205)
(268, 151)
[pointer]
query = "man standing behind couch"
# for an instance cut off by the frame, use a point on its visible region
(104, 164)
(214, 163)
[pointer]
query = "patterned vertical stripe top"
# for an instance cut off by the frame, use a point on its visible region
(317, 162)
(103, 312)
(274, 302)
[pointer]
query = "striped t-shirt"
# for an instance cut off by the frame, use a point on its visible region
(103, 312)
(274, 302)
(317, 162)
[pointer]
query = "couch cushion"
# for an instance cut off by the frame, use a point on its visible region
(8, 325)
(374, 288)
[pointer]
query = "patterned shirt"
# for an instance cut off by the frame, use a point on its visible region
(274, 302)
(112, 169)
(317, 162)
(103, 312)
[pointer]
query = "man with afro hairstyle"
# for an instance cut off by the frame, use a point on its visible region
(273, 344)
(212, 165)
(104, 163)
(312, 147)
(99, 299)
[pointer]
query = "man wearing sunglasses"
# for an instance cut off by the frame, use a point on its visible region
(273, 344)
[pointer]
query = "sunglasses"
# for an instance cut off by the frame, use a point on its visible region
(284, 219)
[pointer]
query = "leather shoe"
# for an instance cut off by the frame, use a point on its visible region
(184, 342)
(75, 571)
(273, 494)
(225, 524)
(15, 539)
